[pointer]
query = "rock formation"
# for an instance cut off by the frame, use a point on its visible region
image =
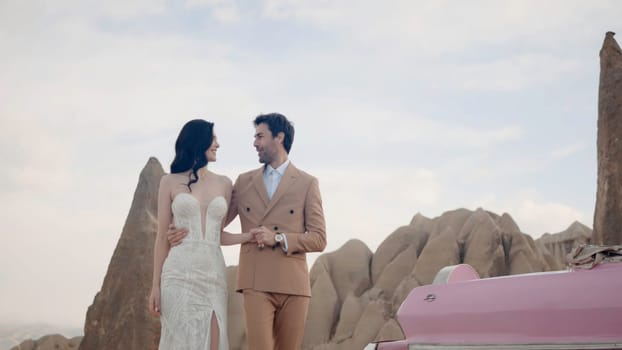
(561, 243)
(336, 276)
(50, 342)
(118, 317)
(608, 211)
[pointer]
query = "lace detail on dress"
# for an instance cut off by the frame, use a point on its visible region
(193, 281)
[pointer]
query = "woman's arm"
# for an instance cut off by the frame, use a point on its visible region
(227, 238)
(161, 246)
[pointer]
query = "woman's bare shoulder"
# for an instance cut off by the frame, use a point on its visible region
(166, 179)
(170, 180)
(223, 179)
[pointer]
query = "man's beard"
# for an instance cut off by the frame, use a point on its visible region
(265, 159)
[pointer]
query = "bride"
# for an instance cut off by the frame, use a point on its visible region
(189, 289)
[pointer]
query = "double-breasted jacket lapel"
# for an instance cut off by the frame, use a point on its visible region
(260, 186)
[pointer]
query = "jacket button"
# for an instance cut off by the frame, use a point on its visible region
(291, 211)
(276, 228)
(248, 209)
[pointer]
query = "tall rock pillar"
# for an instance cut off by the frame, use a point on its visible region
(119, 318)
(608, 212)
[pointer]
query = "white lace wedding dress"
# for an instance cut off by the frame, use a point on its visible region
(193, 284)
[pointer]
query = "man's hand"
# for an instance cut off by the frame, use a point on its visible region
(263, 236)
(175, 236)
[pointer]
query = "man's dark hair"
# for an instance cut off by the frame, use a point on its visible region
(278, 123)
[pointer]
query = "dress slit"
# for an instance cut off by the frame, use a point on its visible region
(214, 332)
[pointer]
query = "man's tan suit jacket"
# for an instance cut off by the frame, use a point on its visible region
(295, 211)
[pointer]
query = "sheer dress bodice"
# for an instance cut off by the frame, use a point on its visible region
(187, 213)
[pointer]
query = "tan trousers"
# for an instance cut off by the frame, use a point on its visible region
(274, 321)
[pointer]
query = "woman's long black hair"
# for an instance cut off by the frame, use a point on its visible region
(193, 140)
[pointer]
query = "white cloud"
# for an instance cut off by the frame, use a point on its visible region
(536, 217)
(568, 150)
(57, 243)
(369, 203)
(126, 9)
(533, 213)
(439, 27)
(34, 158)
(513, 73)
(226, 11)
(40, 15)
(317, 11)
(374, 123)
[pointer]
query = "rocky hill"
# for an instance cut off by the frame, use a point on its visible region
(12, 335)
(50, 342)
(561, 243)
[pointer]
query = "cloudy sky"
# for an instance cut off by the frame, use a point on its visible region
(412, 106)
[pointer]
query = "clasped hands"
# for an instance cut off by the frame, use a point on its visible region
(261, 235)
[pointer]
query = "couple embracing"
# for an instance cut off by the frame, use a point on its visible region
(281, 215)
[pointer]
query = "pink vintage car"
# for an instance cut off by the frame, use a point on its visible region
(578, 308)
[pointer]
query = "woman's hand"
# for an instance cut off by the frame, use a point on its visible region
(154, 301)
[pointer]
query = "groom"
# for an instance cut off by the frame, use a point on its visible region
(281, 206)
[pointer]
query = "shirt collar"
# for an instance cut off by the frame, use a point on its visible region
(281, 169)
